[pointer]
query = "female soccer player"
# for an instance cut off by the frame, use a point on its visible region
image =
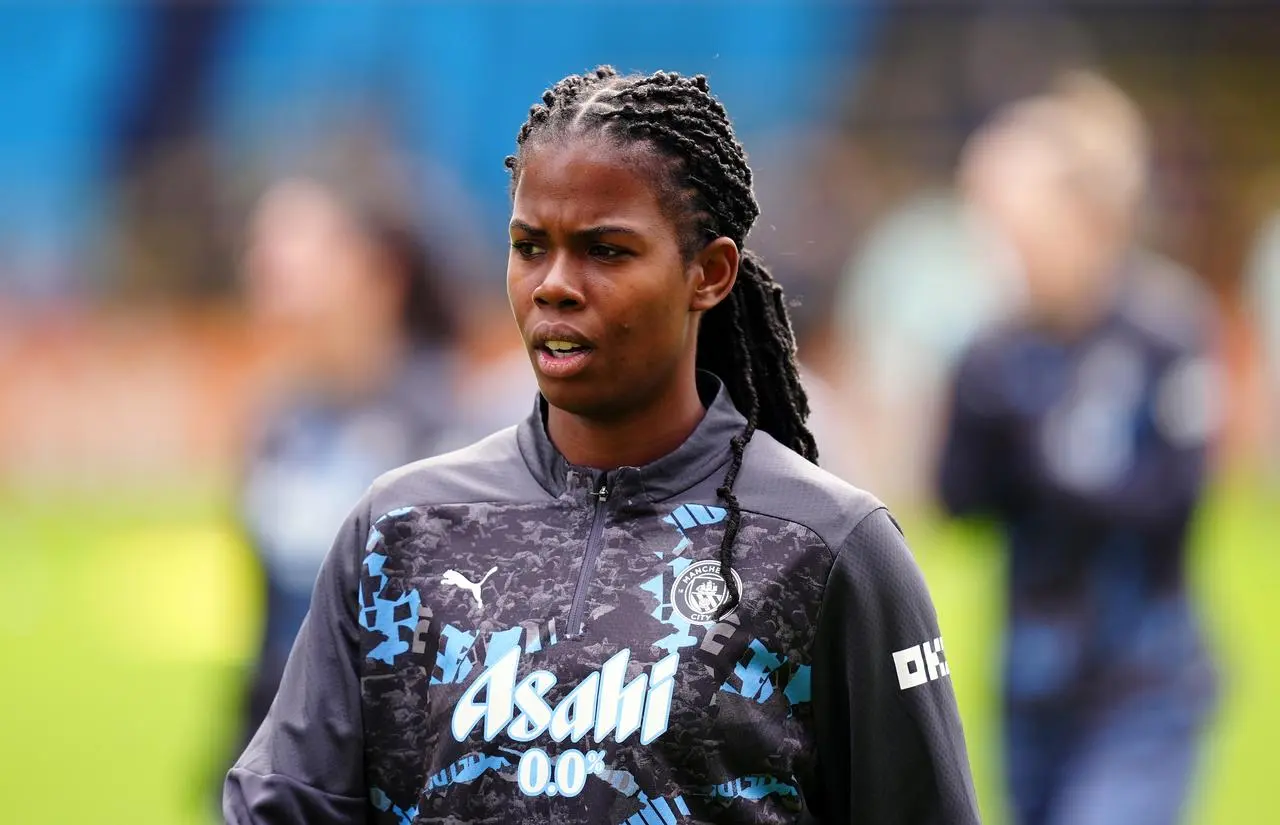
(644, 604)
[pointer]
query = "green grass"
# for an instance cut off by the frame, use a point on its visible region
(124, 629)
(125, 623)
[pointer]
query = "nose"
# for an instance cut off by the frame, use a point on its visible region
(559, 289)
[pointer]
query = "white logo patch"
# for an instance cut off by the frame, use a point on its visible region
(456, 579)
(699, 591)
(921, 663)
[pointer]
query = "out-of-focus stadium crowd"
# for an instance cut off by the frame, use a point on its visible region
(226, 228)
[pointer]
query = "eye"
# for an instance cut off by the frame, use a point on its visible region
(604, 252)
(527, 249)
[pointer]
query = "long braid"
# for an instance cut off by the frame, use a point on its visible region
(738, 447)
(746, 340)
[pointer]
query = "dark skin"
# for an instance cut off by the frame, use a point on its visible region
(596, 259)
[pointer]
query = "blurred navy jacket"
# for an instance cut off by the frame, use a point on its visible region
(1092, 455)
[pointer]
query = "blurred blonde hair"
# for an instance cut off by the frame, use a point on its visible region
(1098, 130)
(1108, 137)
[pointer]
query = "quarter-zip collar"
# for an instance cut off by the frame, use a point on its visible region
(705, 450)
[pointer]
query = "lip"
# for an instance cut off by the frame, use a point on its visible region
(560, 366)
(548, 331)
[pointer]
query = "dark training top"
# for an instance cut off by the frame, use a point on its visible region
(500, 637)
(1092, 453)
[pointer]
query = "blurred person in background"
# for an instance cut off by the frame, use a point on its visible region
(337, 276)
(1082, 425)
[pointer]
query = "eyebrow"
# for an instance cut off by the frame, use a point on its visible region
(591, 231)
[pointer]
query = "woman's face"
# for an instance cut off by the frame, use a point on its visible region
(605, 302)
(311, 273)
(1027, 190)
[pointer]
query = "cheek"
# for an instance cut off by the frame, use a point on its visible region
(353, 281)
(519, 289)
(656, 329)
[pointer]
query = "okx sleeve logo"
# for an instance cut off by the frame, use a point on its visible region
(921, 663)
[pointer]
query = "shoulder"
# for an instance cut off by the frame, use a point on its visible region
(1167, 303)
(987, 373)
(988, 356)
(869, 553)
(775, 481)
(491, 470)
(992, 345)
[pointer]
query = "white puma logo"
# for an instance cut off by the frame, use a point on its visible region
(456, 579)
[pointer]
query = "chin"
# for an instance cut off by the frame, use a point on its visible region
(579, 400)
(583, 400)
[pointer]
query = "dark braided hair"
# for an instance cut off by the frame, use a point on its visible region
(746, 340)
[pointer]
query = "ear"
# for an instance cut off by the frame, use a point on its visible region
(714, 272)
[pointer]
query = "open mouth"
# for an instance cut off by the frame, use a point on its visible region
(560, 359)
(564, 349)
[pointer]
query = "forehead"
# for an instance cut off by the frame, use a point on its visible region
(1013, 152)
(1014, 168)
(299, 212)
(586, 182)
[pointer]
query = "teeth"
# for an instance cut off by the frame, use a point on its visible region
(561, 346)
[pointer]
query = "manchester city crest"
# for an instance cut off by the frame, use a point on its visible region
(699, 591)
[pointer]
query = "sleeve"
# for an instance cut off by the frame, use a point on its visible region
(306, 763)
(890, 747)
(970, 478)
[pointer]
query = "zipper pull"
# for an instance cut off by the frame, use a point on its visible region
(602, 494)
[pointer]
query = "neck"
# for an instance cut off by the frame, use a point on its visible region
(633, 440)
(361, 365)
(1069, 316)
(1069, 320)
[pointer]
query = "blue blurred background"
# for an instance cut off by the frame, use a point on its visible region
(136, 141)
